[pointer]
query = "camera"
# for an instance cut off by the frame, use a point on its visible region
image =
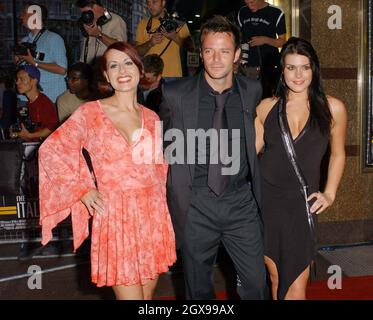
(168, 24)
(23, 117)
(88, 17)
(21, 50)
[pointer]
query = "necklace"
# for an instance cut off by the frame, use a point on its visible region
(33, 100)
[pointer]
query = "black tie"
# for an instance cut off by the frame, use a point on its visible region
(216, 181)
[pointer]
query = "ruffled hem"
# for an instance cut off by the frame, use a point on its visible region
(133, 241)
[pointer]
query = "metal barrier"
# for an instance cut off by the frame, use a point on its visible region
(19, 213)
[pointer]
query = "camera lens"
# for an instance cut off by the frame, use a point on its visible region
(87, 17)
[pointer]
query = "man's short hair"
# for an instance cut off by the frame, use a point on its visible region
(84, 69)
(220, 24)
(44, 10)
(153, 63)
(87, 3)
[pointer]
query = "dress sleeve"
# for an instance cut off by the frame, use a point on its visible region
(162, 165)
(64, 178)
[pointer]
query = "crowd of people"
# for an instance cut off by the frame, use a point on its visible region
(271, 117)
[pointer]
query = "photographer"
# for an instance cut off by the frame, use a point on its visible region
(41, 116)
(79, 78)
(100, 29)
(263, 31)
(44, 50)
(152, 36)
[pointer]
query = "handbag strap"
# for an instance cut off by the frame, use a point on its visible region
(290, 152)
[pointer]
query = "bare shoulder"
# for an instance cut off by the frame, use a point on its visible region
(264, 107)
(336, 106)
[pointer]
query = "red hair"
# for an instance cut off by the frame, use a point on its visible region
(129, 50)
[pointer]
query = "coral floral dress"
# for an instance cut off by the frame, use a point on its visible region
(133, 241)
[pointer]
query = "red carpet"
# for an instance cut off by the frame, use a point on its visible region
(353, 288)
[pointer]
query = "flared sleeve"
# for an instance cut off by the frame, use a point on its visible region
(64, 178)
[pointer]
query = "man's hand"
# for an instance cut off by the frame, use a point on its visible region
(23, 134)
(17, 59)
(258, 41)
(29, 58)
(156, 38)
(169, 35)
(93, 31)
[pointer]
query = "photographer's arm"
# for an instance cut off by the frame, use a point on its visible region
(106, 40)
(181, 37)
(43, 133)
(143, 48)
(96, 32)
(51, 67)
(173, 36)
(274, 42)
(27, 135)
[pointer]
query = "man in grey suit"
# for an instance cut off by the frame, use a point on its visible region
(215, 201)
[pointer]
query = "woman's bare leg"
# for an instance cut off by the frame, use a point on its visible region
(134, 292)
(148, 289)
(273, 273)
(297, 290)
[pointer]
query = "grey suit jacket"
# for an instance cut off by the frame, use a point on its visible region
(179, 110)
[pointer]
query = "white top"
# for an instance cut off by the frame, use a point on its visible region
(116, 28)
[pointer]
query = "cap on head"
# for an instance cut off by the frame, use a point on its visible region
(32, 71)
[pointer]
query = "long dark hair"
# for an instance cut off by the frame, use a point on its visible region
(319, 107)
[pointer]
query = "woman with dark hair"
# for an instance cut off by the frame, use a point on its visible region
(132, 238)
(294, 130)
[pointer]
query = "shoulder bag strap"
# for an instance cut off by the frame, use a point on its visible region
(169, 41)
(290, 152)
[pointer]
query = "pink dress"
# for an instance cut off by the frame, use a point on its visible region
(133, 241)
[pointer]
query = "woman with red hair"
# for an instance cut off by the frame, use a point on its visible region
(132, 239)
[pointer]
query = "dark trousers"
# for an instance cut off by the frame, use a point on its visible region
(232, 219)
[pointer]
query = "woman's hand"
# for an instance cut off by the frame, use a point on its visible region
(323, 201)
(94, 201)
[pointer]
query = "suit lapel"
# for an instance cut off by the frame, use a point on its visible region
(248, 106)
(189, 109)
